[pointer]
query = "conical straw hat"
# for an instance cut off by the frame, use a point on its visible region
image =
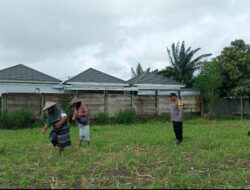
(75, 100)
(48, 105)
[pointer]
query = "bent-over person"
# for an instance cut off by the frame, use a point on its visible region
(80, 114)
(60, 133)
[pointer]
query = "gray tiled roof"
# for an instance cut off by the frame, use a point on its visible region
(92, 75)
(24, 73)
(152, 78)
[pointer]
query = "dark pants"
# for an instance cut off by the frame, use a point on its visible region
(178, 130)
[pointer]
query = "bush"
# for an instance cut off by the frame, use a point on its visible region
(16, 120)
(222, 116)
(164, 118)
(127, 116)
(101, 119)
(150, 118)
(191, 116)
(144, 118)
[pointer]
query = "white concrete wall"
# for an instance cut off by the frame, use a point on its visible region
(29, 88)
(158, 86)
(162, 93)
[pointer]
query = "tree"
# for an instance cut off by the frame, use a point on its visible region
(234, 64)
(242, 90)
(182, 63)
(138, 71)
(208, 81)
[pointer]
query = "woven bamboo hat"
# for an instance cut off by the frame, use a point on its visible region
(75, 100)
(48, 105)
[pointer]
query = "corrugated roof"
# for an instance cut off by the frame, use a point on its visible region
(152, 78)
(94, 76)
(23, 73)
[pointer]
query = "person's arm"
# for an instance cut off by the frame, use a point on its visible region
(74, 115)
(180, 107)
(45, 128)
(85, 111)
(180, 114)
(62, 121)
(73, 118)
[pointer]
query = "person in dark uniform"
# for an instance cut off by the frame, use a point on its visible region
(177, 117)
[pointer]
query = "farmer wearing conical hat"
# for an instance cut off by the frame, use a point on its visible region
(80, 114)
(60, 134)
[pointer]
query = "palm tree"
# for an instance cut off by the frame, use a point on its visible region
(182, 64)
(138, 71)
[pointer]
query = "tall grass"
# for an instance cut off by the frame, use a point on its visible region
(215, 154)
(127, 116)
(16, 120)
(101, 119)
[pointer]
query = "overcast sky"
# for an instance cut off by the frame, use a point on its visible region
(65, 37)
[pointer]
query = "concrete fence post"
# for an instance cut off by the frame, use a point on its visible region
(5, 102)
(106, 102)
(41, 105)
(132, 100)
(157, 103)
(2, 103)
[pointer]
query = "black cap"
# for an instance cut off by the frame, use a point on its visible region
(173, 94)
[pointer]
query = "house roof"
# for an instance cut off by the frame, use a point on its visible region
(152, 78)
(94, 76)
(23, 73)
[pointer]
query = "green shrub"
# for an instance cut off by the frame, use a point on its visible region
(152, 118)
(16, 120)
(191, 116)
(127, 116)
(220, 116)
(101, 119)
(164, 118)
(144, 118)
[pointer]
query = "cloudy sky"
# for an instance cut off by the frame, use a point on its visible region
(65, 37)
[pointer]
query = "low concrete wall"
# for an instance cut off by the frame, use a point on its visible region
(232, 106)
(99, 102)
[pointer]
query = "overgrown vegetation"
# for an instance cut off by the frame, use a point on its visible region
(215, 154)
(16, 120)
(127, 116)
(182, 63)
(208, 81)
(221, 116)
(101, 119)
(139, 70)
(226, 75)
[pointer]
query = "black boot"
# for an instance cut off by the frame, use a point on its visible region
(178, 142)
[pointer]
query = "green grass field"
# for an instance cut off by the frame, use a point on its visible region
(215, 154)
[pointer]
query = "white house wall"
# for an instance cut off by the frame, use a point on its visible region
(183, 92)
(147, 89)
(158, 86)
(29, 88)
(98, 86)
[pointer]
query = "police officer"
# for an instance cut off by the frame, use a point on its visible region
(177, 116)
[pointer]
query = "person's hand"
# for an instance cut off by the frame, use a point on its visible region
(43, 131)
(57, 126)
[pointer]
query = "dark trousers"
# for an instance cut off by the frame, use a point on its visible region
(178, 130)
